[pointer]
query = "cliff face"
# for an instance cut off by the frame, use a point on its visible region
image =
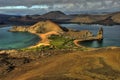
(84, 34)
(19, 28)
(40, 27)
(100, 34)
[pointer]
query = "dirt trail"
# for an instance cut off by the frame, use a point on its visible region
(44, 39)
(76, 42)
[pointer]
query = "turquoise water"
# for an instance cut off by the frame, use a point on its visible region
(111, 34)
(16, 40)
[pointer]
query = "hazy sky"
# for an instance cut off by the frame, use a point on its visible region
(68, 6)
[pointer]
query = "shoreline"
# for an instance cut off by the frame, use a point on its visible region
(44, 39)
(40, 42)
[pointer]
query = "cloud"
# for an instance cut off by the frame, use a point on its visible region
(63, 5)
(14, 7)
(39, 7)
(51, 2)
(25, 7)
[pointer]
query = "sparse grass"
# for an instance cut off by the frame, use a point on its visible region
(57, 43)
(41, 48)
(61, 42)
(88, 65)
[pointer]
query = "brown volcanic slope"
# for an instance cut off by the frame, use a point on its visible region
(102, 64)
(39, 27)
(85, 19)
(46, 26)
(89, 18)
(54, 15)
(116, 17)
(59, 16)
(103, 19)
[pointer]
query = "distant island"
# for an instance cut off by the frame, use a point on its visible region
(60, 17)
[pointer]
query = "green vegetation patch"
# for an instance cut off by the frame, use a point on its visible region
(40, 48)
(61, 42)
(58, 43)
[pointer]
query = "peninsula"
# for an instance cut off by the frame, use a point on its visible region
(45, 29)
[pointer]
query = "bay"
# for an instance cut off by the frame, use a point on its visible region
(16, 40)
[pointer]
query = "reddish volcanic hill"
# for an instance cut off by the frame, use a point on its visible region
(46, 26)
(40, 27)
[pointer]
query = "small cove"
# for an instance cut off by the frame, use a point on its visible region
(16, 40)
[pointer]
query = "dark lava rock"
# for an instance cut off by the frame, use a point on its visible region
(8, 63)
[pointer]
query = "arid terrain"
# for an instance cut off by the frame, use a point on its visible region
(100, 64)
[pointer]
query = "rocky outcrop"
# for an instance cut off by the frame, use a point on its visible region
(19, 28)
(100, 34)
(84, 34)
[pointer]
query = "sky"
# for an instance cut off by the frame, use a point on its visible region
(27, 7)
